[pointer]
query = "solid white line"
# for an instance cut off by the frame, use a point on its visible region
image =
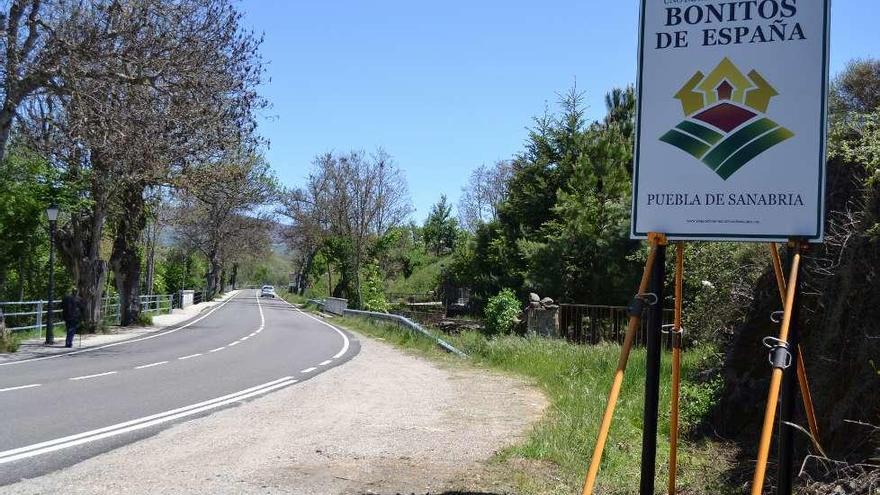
(340, 332)
(218, 349)
(234, 343)
(140, 423)
(308, 370)
(149, 365)
(10, 389)
(130, 341)
(243, 339)
(325, 363)
(190, 356)
(262, 318)
(94, 376)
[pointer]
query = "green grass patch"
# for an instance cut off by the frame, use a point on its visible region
(576, 380)
(423, 279)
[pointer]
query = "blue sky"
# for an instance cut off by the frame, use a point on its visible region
(446, 86)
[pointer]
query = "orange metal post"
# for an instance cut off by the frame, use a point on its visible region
(613, 395)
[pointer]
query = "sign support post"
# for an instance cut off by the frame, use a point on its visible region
(652, 374)
(730, 146)
(786, 410)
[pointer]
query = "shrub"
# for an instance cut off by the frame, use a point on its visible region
(373, 290)
(501, 313)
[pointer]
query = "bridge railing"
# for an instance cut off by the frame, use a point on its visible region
(25, 316)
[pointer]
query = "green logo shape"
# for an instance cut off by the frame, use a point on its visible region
(725, 126)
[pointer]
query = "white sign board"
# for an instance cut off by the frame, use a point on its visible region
(731, 119)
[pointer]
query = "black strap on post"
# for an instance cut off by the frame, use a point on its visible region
(785, 475)
(638, 303)
(652, 374)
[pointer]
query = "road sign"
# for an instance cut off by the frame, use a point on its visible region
(731, 119)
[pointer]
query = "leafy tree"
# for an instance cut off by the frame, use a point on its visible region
(349, 204)
(485, 192)
(441, 228)
(217, 216)
(374, 290)
(562, 227)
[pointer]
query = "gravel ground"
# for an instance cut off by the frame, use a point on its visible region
(385, 422)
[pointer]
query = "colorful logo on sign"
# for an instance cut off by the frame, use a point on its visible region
(726, 125)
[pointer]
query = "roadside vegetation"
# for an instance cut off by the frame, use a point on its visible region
(553, 220)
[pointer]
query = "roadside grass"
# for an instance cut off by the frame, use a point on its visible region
(421, 281)
(576, 380)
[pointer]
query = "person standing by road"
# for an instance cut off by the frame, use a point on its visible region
(72, 309)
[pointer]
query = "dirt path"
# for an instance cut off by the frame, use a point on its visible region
(386, 422)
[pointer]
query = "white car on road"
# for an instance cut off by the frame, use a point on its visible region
(267, 291)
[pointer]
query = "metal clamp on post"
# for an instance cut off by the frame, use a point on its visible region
(670, 328)
(776, 316)
(639, 301)
(676, 334)
(780, 353)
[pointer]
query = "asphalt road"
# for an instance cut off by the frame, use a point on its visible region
(59, 411)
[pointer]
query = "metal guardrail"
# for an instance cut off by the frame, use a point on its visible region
(22, 316)
(405, 322)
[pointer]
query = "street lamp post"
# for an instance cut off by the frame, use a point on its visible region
(52, 215)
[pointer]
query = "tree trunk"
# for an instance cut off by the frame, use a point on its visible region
(234, 275)
(125, 259)
(303, 278)
(6, 115)
(90, 287)
(79, 246)
(213, 277)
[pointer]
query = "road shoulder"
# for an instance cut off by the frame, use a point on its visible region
(385, 422)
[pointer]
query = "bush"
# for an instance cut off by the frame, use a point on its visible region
(373, 290)
(501, 313)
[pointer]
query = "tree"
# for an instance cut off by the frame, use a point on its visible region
(561, 228)
(153, 87)
(485, 192)
(857, 88)
(441, 228)
(349, 202)
(218, 211)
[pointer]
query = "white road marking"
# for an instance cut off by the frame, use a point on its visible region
(150, 365)
(190, 356)
(10, 389)
(234, 343)
(218, 349)
(308, 370)
(130, 341)
(340, 332)
(325, 363)
(244, 338)
(96, 375)
(140, 423)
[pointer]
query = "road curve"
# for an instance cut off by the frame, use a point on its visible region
(62, 410)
